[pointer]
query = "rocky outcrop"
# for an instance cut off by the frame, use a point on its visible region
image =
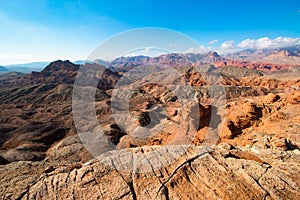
(271, 118)
(56, 72)
(239, 118)
(231, 71)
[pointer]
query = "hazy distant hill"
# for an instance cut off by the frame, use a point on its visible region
(97, 61)
(3, 70)
(27, 67)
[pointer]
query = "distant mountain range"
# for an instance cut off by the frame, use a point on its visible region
(265, 63)
(278, 56)
(173, 59)
(285, 55)
(261, 59)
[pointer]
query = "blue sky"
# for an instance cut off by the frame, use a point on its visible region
(35, 30)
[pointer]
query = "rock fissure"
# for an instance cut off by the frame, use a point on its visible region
(180, 166)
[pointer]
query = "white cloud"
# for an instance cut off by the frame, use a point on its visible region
(228, 45)
(147, 51)
(200, 49)
(266, 42)
(213, 42)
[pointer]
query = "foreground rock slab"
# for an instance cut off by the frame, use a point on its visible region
(224, 172)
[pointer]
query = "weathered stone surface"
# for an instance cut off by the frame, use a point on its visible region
(220, 174)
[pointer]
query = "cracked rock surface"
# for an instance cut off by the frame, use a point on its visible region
(221, 173)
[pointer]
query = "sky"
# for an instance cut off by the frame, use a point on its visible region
(47, 30)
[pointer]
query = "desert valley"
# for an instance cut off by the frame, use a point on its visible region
(246, 147)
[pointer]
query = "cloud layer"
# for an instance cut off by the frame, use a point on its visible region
(260, 43)
(266, 42)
